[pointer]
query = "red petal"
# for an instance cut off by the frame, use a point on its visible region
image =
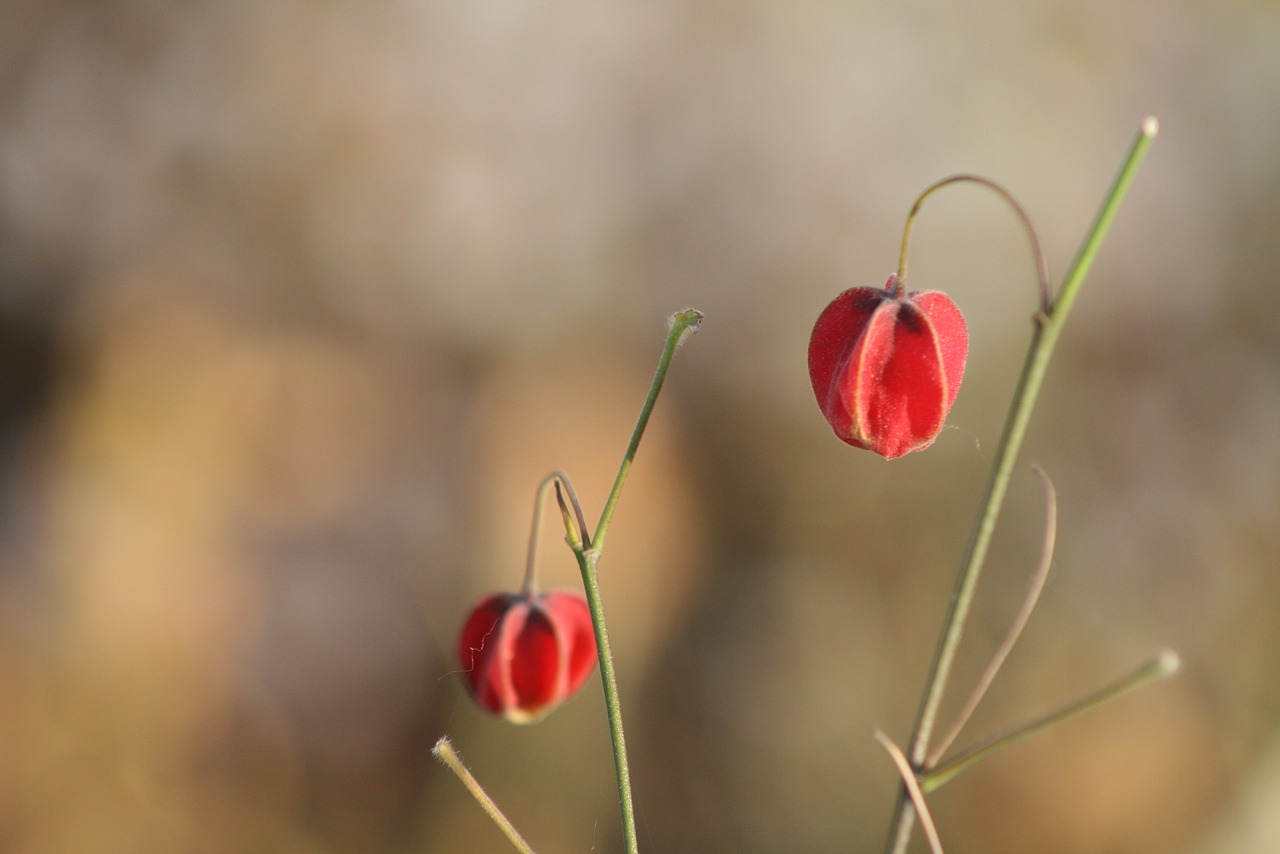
(953, 336)
(537, 673)
(835, 336)
(484, 650)
(573, 619)
(894, 386)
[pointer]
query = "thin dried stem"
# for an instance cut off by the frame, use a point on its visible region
(448, 757)
(1036, 587)
(913, 788)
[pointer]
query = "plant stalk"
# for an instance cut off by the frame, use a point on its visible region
(682, 323)
(1048, 327)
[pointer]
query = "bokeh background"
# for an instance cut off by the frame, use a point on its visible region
(299, 301)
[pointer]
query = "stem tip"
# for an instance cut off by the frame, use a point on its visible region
(1168, 662)
(689, 321)
(1150, 127)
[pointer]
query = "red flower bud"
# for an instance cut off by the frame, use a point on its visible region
(523, 655)
(886, 366)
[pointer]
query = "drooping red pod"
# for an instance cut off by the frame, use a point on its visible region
(521, 655)
(886, 366)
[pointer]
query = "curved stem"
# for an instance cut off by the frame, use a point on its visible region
(1042, 266)
(557, 477)
(1038, 579)
(530, 585)
(1049, 323)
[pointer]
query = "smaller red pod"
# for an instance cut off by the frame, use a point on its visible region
(522, 655)
(886, 366)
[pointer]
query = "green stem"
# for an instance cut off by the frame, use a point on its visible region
(912, 785)
(1048, 327)
(588, 562)
(682, 323)
(1093, 241)
(1160, 666)
(588, 554)
(449, 758)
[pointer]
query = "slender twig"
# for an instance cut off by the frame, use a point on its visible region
(1106, 215)
(588, 562)
(449, 758)
(1159, 666)
(588, 555)
(1036, 587)
(682, 323)
(1048, 327)
(913, 788)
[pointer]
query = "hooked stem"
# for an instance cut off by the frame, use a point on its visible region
(530, 585)
(1042, 266)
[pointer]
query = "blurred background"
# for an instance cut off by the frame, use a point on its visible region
(299, 302)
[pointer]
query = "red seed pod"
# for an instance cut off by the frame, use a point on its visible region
(886, 366)
(522, 655)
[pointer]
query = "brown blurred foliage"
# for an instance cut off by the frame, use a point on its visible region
(299, 301)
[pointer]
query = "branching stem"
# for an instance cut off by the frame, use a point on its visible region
(1049, 322)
